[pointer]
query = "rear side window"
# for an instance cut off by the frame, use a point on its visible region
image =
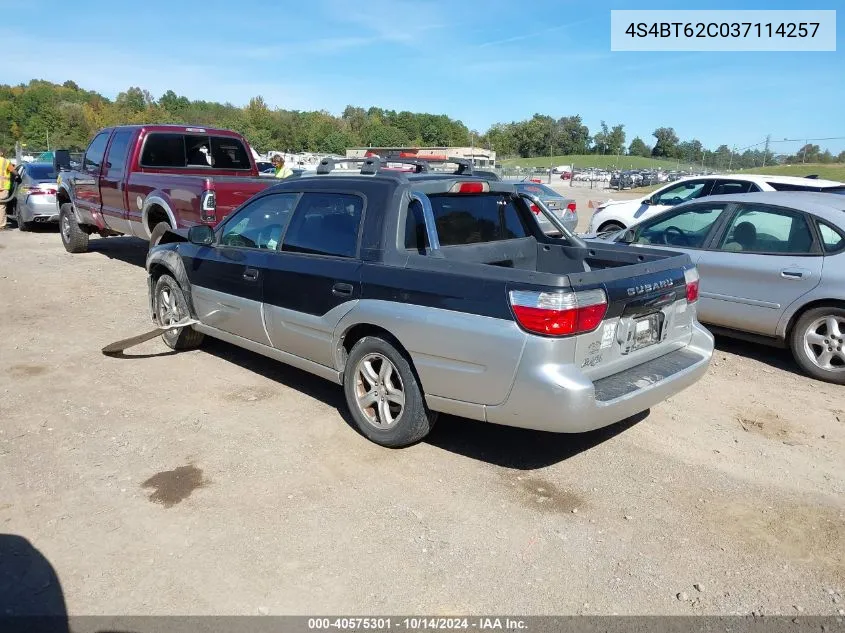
(117, 153)
(194, 151)
(768, 230)
(724, 187)
(470, 219)
(832, 239)
(325, 224)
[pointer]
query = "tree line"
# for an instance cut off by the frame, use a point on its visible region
(41, 113)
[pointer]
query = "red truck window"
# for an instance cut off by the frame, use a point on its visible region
(165, 149)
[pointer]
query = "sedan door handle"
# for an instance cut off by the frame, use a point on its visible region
(342, 290)
(794, 273)
(251, 274)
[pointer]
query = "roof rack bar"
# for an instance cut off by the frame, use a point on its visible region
(371, 164)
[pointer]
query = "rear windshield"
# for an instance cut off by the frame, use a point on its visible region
(41, 172)
(466, 219)
(539, 190)
(782, 186)
(164, 149)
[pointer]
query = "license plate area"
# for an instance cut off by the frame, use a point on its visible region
(643, 332)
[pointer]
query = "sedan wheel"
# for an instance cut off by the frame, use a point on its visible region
(379, 391)
(818, 343)
(824, 343)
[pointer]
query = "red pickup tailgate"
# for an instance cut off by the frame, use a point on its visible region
(232, 192)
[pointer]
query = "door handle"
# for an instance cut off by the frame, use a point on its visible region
(794, 273)
(342, 290)
(251, 274)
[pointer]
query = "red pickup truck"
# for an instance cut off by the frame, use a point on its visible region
(140, 179)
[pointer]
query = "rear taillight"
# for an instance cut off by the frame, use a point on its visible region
(42, 192)
(559, 313)
(208, 206)
(534, 208)
(691, 278)
(571, 207)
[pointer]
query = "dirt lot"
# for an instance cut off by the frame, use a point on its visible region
(217, 481)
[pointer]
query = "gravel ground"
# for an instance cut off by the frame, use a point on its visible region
(219, 482)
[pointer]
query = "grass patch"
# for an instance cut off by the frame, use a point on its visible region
(828, 172)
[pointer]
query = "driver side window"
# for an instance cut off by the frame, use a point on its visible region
(682, 192)
(261, 223)
(687, 229)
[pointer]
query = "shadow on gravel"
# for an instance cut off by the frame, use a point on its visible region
(126, 249)
(31, 596)
(500, 445)
(312, 386)
(520, 449)
(772, 356)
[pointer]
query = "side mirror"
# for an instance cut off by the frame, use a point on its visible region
(647, 201)
(628, 237)
(201, 234)
(61, 160)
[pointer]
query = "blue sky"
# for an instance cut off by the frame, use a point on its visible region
(480, 61)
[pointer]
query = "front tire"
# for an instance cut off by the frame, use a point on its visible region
(170, 307)
(73, 237)
(610, 227)
(383, 394)
(818, 343)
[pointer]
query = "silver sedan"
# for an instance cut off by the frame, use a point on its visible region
(34, 197)
(563, 207)
(772, 269)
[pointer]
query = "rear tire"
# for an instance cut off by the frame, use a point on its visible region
(171, 306)
(158, 230)
(73, 237)
(383, 394)
(817, 342)
(22, 226)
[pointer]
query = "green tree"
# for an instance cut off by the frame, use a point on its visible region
(638, 148)
(667, 143)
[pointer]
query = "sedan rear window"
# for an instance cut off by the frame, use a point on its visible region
(782, 186)
(164, 149)
(41, 172)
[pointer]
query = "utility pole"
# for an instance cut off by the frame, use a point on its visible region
(804, 152)
(766, 148)
(551, 144)
(48, 140)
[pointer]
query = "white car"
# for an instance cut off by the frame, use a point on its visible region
(620, 214)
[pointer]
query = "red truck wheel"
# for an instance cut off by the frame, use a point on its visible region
(73, 237)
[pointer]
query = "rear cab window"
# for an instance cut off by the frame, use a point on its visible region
(325, 224)
(195, 151)
(467, 219)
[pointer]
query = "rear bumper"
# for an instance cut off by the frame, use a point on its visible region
(42, 212)
(561, 399)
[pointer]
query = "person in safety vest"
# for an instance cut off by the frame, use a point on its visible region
(6, 171)
(282, 170)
